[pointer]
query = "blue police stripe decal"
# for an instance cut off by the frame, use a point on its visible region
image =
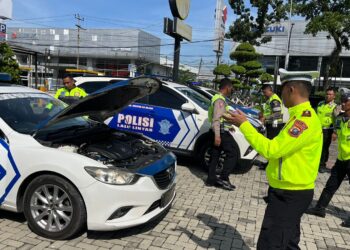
(157, 123)
(188, 129)
(2, 172)
(195, 134)
(15, 178)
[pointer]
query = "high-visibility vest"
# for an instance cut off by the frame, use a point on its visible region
(342, 126)
(294, 154)
(325, 113)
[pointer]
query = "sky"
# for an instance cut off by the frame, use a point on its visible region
(141, 14)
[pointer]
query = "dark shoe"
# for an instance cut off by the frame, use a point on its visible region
(322, 169)
(266, 199)
(346, 223)
(226, 184)
(317, 211)
(263, 166)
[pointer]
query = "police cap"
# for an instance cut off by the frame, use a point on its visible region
(303, 76)
(345, 97)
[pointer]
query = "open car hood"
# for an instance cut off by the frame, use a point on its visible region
(107, 101)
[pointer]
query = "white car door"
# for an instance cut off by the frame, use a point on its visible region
(9, 173)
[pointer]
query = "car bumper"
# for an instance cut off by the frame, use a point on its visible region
(143, 198)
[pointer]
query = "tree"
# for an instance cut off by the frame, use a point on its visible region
(247, 68)
(185, 76)
(322, 15)
(250, 28)
(332, 17)
(8, 63)
(223, 70)
(266, 77)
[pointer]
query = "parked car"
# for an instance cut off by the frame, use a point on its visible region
(93, 83)
(176, 116)
(66, 172)
(252, 114)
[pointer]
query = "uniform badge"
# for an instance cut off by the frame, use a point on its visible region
(77, 94)
(297, 128)
(306, 113)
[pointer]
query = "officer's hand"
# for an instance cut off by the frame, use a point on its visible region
(237, 118)
(334, 136)
(217, 141)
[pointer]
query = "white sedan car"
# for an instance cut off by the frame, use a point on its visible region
(67, 172)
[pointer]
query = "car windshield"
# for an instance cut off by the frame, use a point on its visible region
(199, 99)
(27, 112)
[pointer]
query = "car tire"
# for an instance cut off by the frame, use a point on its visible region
(54, 208)
(204, 157)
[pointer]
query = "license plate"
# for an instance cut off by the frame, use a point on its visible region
(167, 196)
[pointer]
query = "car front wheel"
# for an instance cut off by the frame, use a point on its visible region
(54, 208)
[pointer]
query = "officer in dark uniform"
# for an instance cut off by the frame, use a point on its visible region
(294, 157)
(342, 165)
(325, 110)
(223, 140)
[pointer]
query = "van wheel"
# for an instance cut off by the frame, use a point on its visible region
(54, 208)
(205, 154)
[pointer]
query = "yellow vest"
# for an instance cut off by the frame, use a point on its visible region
(268, 112)
(343, 132)
(211, 107)
(76, 92)
(294, 154)
(325, 113)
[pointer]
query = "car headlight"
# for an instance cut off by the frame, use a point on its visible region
(112, 176)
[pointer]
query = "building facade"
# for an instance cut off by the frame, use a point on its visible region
(111, 52)
(306, 52)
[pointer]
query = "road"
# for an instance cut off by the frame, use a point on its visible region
(201, 217)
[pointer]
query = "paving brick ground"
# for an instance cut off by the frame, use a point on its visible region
(200, 218)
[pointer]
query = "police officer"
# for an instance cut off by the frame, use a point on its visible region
(69, 93)
(223, 140)
(273, 112)
(294, 156)
(342, 165)
(325, 111)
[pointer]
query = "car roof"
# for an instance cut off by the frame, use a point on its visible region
(12, 88)
(82, 79)
(173, 84)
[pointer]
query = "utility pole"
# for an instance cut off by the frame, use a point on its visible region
(77, 16)
(199, 68)
(286, 62)
(176, 58)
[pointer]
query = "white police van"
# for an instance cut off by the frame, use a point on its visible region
(66, 172)
(176, 116)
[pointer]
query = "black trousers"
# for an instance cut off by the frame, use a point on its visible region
(281, 225)
(327, 139)
(228, 145)
(338, 173)
(272, 132)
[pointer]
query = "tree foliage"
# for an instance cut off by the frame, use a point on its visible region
(322, 16)
(8, 63)
(222, 69)
(247, 67)
(250, 28)
(266, 77)
(328, 16)
(185, 76)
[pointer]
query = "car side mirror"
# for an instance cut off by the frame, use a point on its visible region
(189, 107)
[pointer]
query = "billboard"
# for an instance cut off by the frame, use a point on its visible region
(5, 9)
(220, 20)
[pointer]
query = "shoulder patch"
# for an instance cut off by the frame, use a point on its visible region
(306, 113)
(297, 128)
